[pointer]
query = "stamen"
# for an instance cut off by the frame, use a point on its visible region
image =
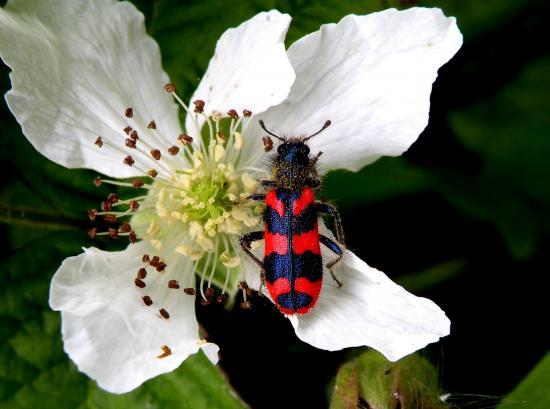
(106, 206)
(125, 228)
(173, 150)
(110, 218)
(145, 258)
(233, 114)
(155, 261)
(138, 183)
(247, 113)
(155, 153)
(113, 233)
(147, 300)
(132, 237)
(134, 135)
(92, 233)
(129, 112)
(130, 143)
(128, 160)
(161, 266)
(199, 106)
(127, 130)
(153, 173)
(164, 313)
(189, 291)
(152, 125)
(142, 273)
(99, 142)
(268, 143)
(170, 88)
(185, 139)
(139, 283)
(92, 214)
(173, 284)
(166, 351)
(112, 198)
(134, 205)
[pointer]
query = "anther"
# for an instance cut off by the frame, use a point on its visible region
(92, 214)
(134, 135)
(199, 106)
(173, 150)
(152, 125)
(185, 139)
(166, 351)
(221, 136)
(233, 114)
(142, 273)
(161, 266)
(155, 153)
(250, 292)
(109, 218)
(209, 293)
(129, 112)
(189, 291)
(205, 301)
(147, 300)
(99, 141)
(128, 160)
(106, 206)
(268, 143)
(137, 183)
(155, 261)
(97, 181)
(130, 143)
(145, 258)
(112, 198)
(92, 232)
(134, 205)
(173, 284)
(127, 130)
(153, 173)
(222, 298)
(170, 88)
(132, 237)
(246, 305)
(139, 283)
(113, 233)
(247, 113)
(164, 313)
(125, 228)
(243, 285)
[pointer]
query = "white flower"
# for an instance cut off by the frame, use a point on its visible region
(87, 69)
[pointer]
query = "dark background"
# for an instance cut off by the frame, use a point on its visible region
(461, 218)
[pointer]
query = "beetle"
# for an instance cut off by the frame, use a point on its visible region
(292, 268)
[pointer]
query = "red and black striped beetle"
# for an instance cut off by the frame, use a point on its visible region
(292, 267)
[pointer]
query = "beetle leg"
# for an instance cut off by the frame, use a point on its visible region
(245, 245)
(323, 207)
(335, 248)
(259, 197)
(267, 183)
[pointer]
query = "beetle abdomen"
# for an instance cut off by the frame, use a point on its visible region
(292, 256)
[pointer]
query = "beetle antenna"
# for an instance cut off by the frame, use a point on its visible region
(271, 133)
(325, 126)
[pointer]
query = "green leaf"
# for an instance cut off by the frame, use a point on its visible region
(346, 388)
(532, 392)
(411, 382)
(510, 133)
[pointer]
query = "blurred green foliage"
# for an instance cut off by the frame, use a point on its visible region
(504, 126)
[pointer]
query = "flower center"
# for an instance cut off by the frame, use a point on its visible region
(198, 210)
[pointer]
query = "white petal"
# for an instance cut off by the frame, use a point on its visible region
(249, 69)
(77, 65)
(109, 332)
(372, 77)
(370, 309)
